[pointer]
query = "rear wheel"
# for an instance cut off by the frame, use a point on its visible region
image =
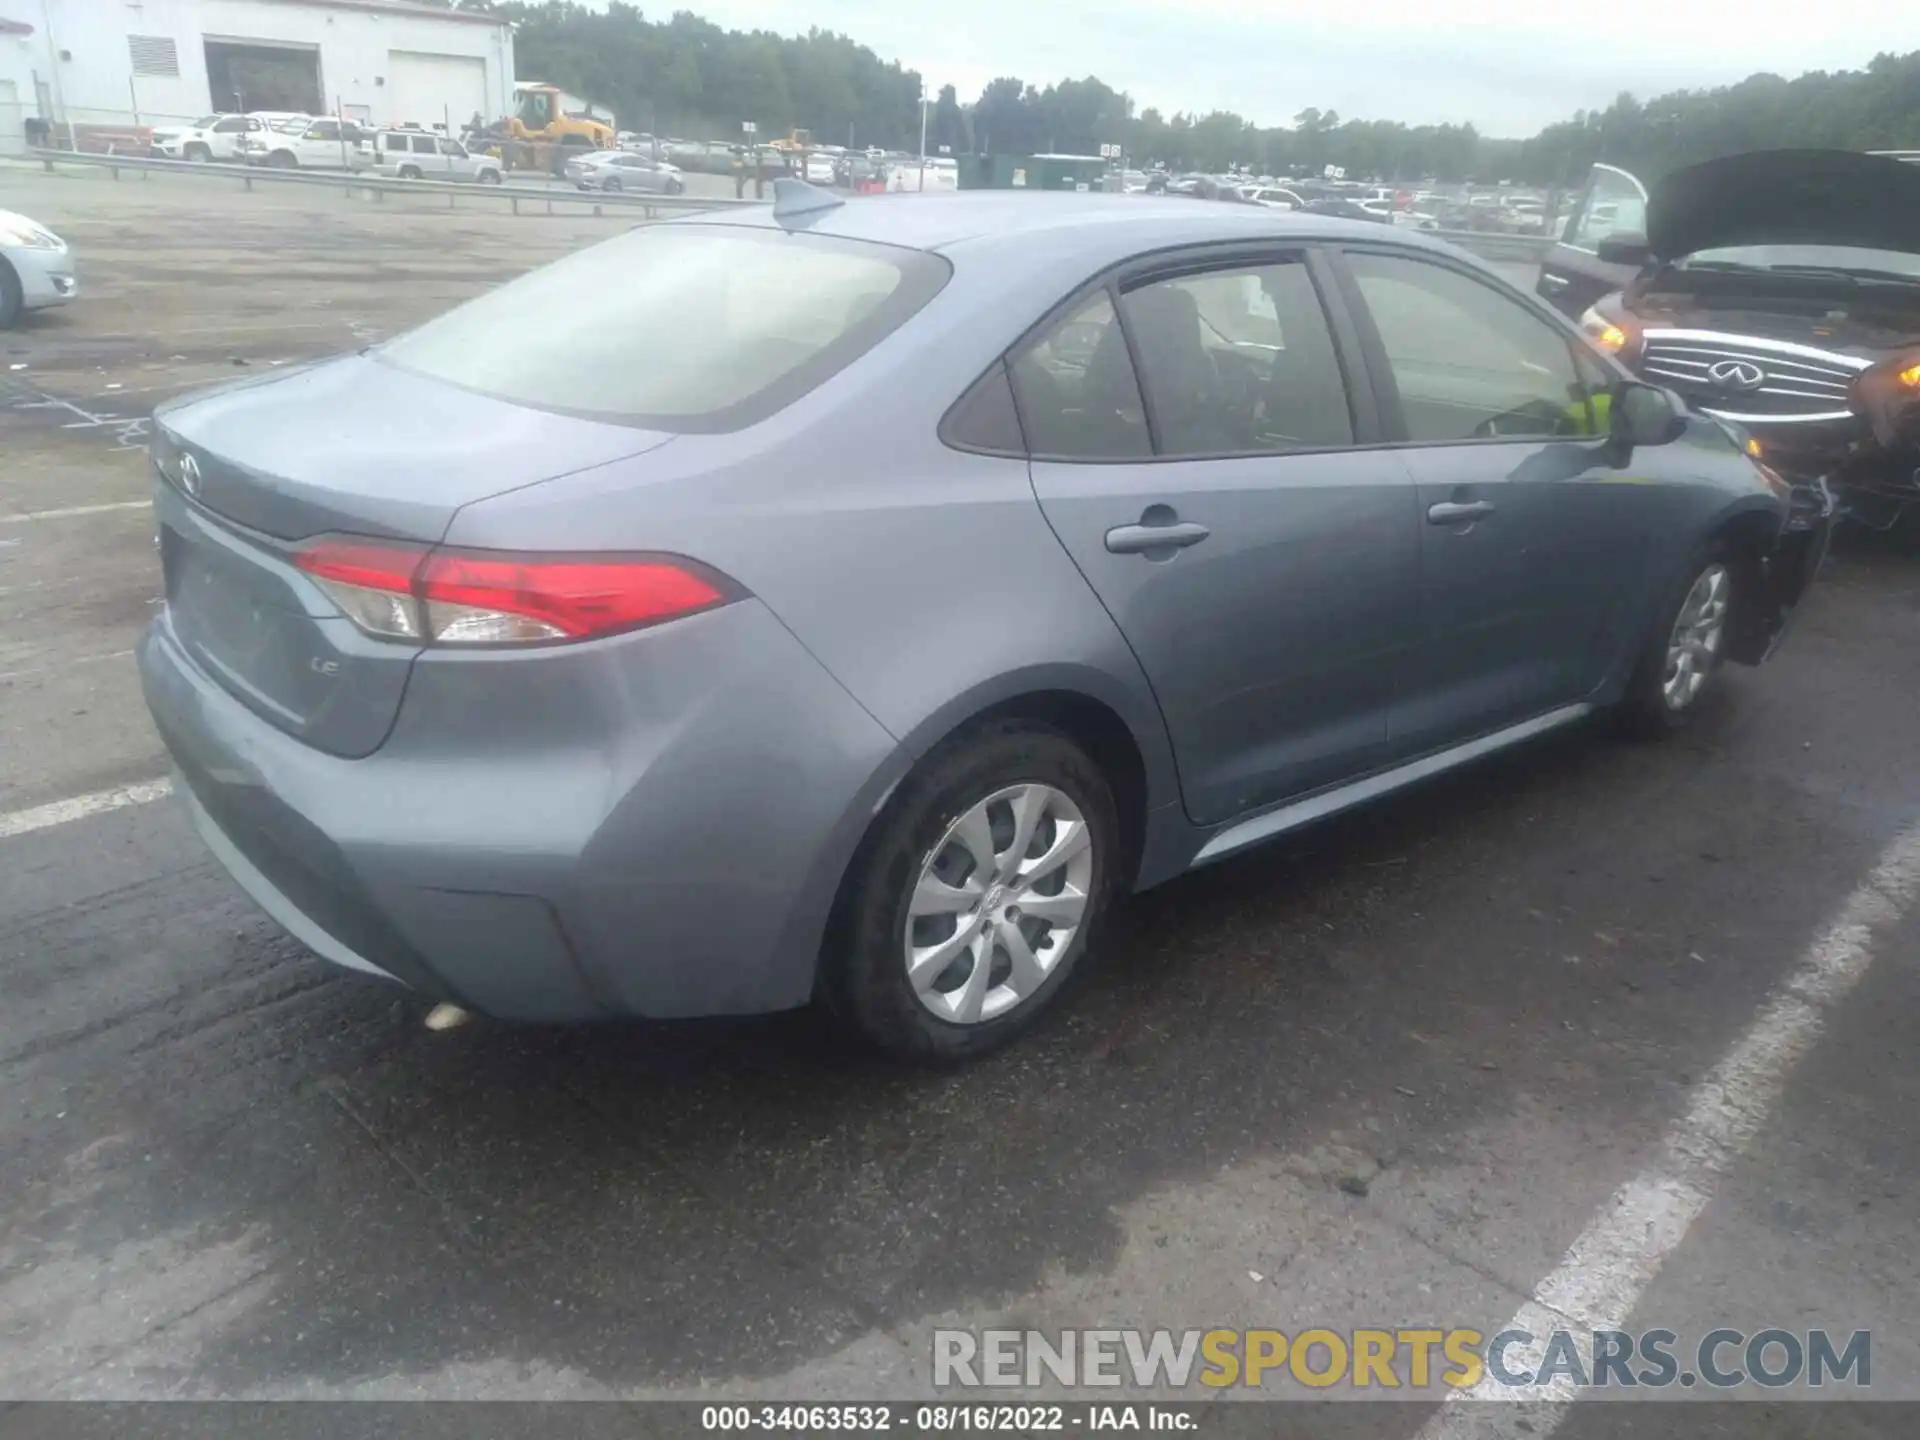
(976, 895)
(282, 160)
(1683, 650)
(197, 153)
(12, 304)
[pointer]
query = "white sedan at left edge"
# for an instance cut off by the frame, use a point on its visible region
(36, 268)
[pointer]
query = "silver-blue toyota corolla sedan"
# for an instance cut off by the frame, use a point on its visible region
(850, 601)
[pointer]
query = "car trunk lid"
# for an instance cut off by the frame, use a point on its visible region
(349, 447)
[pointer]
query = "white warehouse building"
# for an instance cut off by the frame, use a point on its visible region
(107, 63)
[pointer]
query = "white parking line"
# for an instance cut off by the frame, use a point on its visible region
(23, 517)
(1601, 1278)
(59, 812)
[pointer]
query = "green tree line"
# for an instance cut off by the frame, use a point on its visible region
(686, 76)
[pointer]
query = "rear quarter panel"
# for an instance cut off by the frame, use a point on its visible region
(925, 580)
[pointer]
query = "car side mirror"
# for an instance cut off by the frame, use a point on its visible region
(1645, 414)
(1625, 250)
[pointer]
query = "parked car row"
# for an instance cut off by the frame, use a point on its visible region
(287, 140)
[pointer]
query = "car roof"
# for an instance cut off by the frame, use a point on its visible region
(1098, 228)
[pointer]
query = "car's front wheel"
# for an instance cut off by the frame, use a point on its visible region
(198, 153)
(1684, 649)
(489, 177)
(409, 172)
(282, 160)
(612, 184)
(976, 895)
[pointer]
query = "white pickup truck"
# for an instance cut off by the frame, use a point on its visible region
(308, 143)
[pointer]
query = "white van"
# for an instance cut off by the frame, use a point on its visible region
(941, 172)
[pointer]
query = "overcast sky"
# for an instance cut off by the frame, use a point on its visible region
(1508, 67)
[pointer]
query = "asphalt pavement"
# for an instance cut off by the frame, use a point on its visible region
(1596, 1031)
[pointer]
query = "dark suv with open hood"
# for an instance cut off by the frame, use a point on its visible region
(1779, 290)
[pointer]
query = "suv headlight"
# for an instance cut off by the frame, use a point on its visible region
(1604, 332)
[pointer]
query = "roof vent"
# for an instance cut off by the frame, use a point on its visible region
(794, 198)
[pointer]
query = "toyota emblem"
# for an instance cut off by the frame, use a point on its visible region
(190, 475)
(1736, 375)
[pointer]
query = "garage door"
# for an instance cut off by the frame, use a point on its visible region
(424, 89)
(13, 135)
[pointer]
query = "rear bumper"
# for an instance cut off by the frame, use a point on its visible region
(655, 827)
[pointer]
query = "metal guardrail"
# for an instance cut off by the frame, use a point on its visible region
(379, 186)
(1488, 245)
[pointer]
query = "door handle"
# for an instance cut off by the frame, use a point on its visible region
(1452, 512)
(1139, 539)
(1552, 282)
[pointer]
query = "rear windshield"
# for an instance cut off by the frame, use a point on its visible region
(679, 327)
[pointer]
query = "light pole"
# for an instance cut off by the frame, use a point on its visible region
(923, 137)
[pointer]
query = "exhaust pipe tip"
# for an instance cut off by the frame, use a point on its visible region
(444, 1017)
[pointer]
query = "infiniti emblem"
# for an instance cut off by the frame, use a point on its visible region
(190, 475)
(1736, 375)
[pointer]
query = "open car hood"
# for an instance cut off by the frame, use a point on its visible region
(1786, 197)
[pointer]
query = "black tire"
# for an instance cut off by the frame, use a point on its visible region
(864, 983)
(1645, 712)
(199, 154)
(489, 177)
(409, 172)
(611, 185)
(283, 160)
(12, 304)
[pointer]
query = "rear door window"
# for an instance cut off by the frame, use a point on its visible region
(1078, 396)
(1239, 361)
(422, 144)
(679, 327)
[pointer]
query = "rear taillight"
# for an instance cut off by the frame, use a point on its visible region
(485, 597)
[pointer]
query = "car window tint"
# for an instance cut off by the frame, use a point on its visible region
(682, 327)
(324, 130)
(1076, 389)
(1612, 205)
(422, 144)
(1469, 363)
(229, 127)
(1239, 361)
(451, 147)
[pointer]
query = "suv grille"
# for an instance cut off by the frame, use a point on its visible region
(1718, 372)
